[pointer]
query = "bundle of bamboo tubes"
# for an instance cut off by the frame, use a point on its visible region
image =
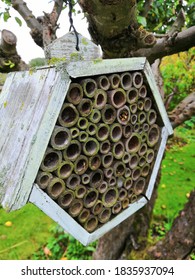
(103, 147)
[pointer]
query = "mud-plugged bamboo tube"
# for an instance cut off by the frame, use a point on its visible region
(91, 129)
(68, 116)
(81, 164)
(123, 115)
(119, 168)
(97, 208)
(105, 147)
(108, 172)
(134, 160)
(91, 147)
(132, 144)
(127, 172)
(151, 117)
(103, 82)
(116, 132)
(74, 132)
(126, 157)
(133, 119)
(51, 160)
(73, 181)
(107, 160)
(100, 99)
(143, 91)
(102, 187)
(96, 178)
(55, 188)
(104, 215)
(73, 151)
(122, 194)
(133, 108)
(75, 207)
(65, 199)
(132, 95)
(149, 156)
(120, 182)
(137, 79)
(125, 203)
(90, 198)
(110, 197)
(143, 149)
(83, 136)
(75, 93)
(65, 169)
(126, 80)
(84, 215)
(43, 179)
(89, 87)
(116, 208)
(85, 107)
(128, 183)
(145, 170)
(60, 138)
(91, 223)
(141, 117)
(80, 191)
(136, 173)
(147, 104)
(140, 105)
(85, 179)
(114, 81)
(139, 186)
(118, 150)
(153, 135)
(108, 114)
(95, 116)
(102, 132)
(117, 97)
(94, 162)
(127, 130)
(111, 181)
(82, 123)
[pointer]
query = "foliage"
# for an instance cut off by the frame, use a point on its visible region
(38, 61)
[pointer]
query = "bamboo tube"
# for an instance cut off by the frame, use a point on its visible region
(127, 130)
(133, 198)
(116, 208)
(145, 127)
(84, 215)
(107, 160)
(114, 81)
(126, 157)
(75, 207)
(143, 91)
(91, 223)
(94, 162)
(74, 132)
(143, 149)
(119, 169)
(102, 132)
(108, 114)
(117, 97)
(140, 105)
(127, 172)
(82, 123)
(122, 194)
(105, 147)
(151, 117)
(73, 181)
(55, 187)
(60, 138)
(100, 99)
(120, 182)
(128, 183)
(139, 186)
(134, 160)
(133, 119)
(145, 170)
(85, 179)
(95, 116)
(132, 95)
(73, 151)
(104, 215)
(64, 169)
(65, 199)
(144, 137)
(90, 198)
(96, 178)
(133, 108)
(142, 161)
(153, 135)
(126, 80)
(110, 197)
(137, 79)
(68, 116)
(91, 147)
(108, 172)
(75, 93)
(132, 144)
(149, 156)
(118, 150)
(43, 179)
(89, 87)
(81, 164)
(116, 132)
(141, 117)
(111, 181)
(147, 104)
(136, 128)
(136, 173)
(125, 203)
(85, 107)
(123, 115)
(97, 208)
(130, 193)
(91, 129)
(51, 160)
(80, 191)
(103, 82)
(102, 187)
(83, 136)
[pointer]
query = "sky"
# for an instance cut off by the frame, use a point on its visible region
(26, 47)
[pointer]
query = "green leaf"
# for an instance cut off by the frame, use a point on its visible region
(142, 21)
(6, 16)
(18, 21)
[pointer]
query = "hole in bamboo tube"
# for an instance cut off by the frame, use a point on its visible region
(133, 161)
(116, 132)
(139, 186)
(96, 178)
(103, 187)
(103, 132)
(112, 181)
(152, 116)
(142, 117)
(107, 160)
(82, 123)
(61, 138)
(123, 115)
(126, 81)
(73, 181)
(114, 80)
(136, 173)
(103, 82)
(80, 191)
(85, 179)
(133, 108)
(91, 224)
(108, 172)
(104, 216)
(137, 79)
(127, 130)
(143, 149)
(44, 180)
(69, 115)
(133, 143)
(56, 189)
(122, 194)
(143, 91)
(84, 215)
(118, 150)
(75, 207)
(75, 93)
(66, 199)
(147, 104)
(73, 151)
(145, 170)
(133, 119)
(91, 147)
(51, 160)
(119, 99)
(90, 87)
(81, 165)
(153, 135)
(90, 198)
(116, 208)
(119, 169)
(97, 208)
(85, 108)
(150, 156)
(94, 162)
(105, 147)
(128, 183)
(132, 96)
(108, 114)
(66, 169)
(110, 197)
(91, 129)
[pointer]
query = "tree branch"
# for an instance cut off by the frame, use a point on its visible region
(147, 7)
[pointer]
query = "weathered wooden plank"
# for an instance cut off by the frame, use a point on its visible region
(29, 107)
